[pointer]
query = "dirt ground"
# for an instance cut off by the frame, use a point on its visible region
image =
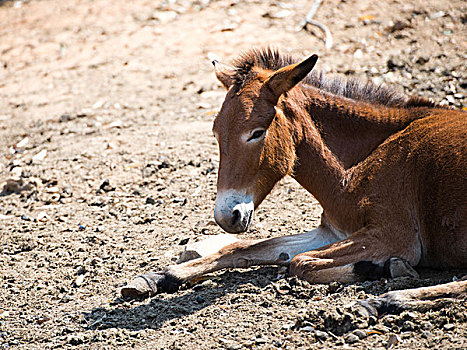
(108, 166)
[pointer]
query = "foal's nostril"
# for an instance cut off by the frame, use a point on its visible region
(235, 217)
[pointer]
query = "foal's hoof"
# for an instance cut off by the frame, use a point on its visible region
(401, 268)
(150, 284)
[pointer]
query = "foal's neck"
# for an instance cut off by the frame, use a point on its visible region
(332, 134)
(353, 129)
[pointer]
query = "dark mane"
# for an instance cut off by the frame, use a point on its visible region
(351, 87)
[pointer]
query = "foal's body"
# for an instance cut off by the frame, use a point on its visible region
(390, 173)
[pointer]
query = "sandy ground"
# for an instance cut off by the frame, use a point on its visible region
(108, 165)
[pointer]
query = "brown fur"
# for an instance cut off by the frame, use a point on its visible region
(389, 171)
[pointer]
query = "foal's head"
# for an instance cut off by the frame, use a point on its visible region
(255, 139)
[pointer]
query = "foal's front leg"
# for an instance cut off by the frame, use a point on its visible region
(244, 253)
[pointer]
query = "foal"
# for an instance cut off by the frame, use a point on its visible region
(389, 171)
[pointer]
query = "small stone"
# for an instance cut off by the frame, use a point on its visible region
(81, 270)
(261, 340)
(351, 338)
(307, 329)
(199, 299)
(75, 339)
(79, 280)
(408, 326)
(395, 63)
(450, 99)
(426, 325)
(288, 326)
(358, 54)
(449, 326)
(184, 241)
(360, 333)
(81, 227)
(106, 187)
(321, 335)
(423, 59)
(150, 200)
(393, 341)
(42, 216)
(426, 334)
(40, 156)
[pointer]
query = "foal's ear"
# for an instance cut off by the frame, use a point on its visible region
(284, 79)
(224, 73)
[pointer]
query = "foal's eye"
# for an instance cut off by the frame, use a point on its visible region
(256, 135)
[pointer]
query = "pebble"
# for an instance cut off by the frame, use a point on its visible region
(351, 338)
(360, 333)
(261, 340)
(450, 99)
(75, 339)
(408, 326)
(426, 325)
(150, 200)
(288, 326)
(39, 156)
(321, 335)
(392, 341)
(307, 329)
(80, 270)
(449, 326)
(426, 334)
(358, 54)
(79, 280)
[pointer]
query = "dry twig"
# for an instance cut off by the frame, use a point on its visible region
(309, 20)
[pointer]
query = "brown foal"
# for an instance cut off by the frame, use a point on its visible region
(389, 171)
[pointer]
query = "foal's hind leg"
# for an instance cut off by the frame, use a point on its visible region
(422, 299)
(364, 255)
(244, 253)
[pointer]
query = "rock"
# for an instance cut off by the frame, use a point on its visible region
(358, 54)
(80, 270)
(79, 280)
(360, 333)
(150, 200)
(449, 327)
(106, 187)
(321, 335)
(40, 156)
(426, 325)
(351, 338)
(423, 59)
(408, 326)
(307, 329)
(399, 25)
(393, 341)
(450, 99)
(261, 340)
(75, 339)
(395, 63)
(288, 326)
